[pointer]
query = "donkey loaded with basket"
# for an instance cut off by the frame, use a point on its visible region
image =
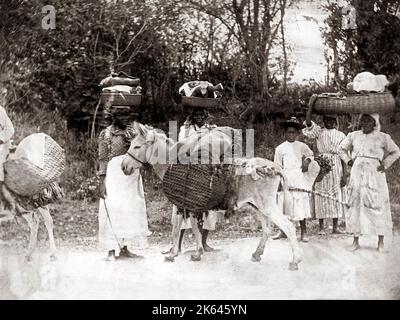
(224, 180)
(31, 176)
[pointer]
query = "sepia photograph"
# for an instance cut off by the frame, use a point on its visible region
(200, 154)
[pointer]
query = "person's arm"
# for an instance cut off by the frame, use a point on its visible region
(278, 157)
(103, 153)
(310, 109)
(393, 153)
(306, 157)
(345, 148)
(345, 174)
(312, 131)
(182, 132)
(6, 127)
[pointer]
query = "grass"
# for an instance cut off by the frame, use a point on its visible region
(75, 219)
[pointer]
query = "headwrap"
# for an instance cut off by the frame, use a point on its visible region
(374, 116)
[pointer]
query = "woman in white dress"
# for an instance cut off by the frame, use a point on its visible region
(369, 153)
(294, 157)
(122, 213)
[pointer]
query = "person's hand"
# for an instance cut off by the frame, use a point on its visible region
(381, 168)
(305, 164)
(102, 188)
(350, 163)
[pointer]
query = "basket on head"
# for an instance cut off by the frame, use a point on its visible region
(196, 188)
(198, 102)
(381, 103)
(27, 179)
(120, 99)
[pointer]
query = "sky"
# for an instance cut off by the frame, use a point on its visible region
(303, 35)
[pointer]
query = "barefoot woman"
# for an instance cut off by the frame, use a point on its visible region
(370, 153)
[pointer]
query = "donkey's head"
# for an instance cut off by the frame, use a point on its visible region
(147, 147)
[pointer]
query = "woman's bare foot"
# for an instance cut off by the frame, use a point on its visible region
(280, 235)
(207, 248)
(354, 247)
(381, 246)
(337, 231)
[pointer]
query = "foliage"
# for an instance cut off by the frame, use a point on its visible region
(374, 45)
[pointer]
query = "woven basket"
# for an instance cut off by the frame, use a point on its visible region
(26, 179)
(197, 102)
(120, 99)
(196, 188)
(381, 103)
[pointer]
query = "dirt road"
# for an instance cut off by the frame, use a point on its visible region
(328, 271)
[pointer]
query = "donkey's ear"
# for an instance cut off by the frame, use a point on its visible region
(150, 136)
(141, 129)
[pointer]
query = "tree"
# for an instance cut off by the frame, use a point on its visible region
(373, 45)
(255, 26)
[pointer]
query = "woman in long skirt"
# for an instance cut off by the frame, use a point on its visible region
(122, 213)
(370, 153)
(328, 140)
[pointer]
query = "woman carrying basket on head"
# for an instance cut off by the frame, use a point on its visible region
(196, 121)
(328, 140)
(369, 152)
(122, 213)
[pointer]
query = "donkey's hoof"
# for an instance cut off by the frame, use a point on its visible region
(195, 257)
(53, 257)
(28, 258)
(255, 258)
(169, 259)
(293, 266)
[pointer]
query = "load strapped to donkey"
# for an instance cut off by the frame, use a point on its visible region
(198, 181)
(32, 171)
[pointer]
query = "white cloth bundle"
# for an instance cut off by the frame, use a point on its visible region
(366, 81)
(190, 86)
(120, 88)
(31, 148)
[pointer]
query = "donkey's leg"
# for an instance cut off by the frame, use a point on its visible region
(176, 231)
(288, 228)
(256, 256)
(33, 222)
(48, 221)
(197, 234)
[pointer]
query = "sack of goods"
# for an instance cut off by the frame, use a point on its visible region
(201, 94)
(366, 94)
(37, 162)
(121, 90)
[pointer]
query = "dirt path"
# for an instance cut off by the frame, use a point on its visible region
(328, 271)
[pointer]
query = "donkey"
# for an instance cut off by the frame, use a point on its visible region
(257, 179)
(33, 219)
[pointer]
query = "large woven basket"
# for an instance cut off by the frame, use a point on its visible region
(198, 102)
(382, 103)
(26, 179)
(120, 99)
(196, 188)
